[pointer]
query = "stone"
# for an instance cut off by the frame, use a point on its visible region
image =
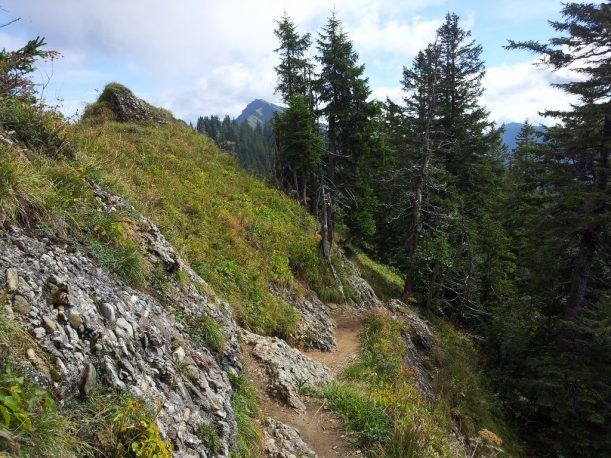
(21, 305)
(12, 279)
(49, 324)
(107, 311)
(179, 355)
(38, 362)
(282, 441)
(124, 325)
(88, 379)
(75, 320)
(287, 368)
(39, 333)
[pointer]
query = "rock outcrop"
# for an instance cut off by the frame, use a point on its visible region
(125, 106)
(419, 340)
(362, 294)
(316, 328)
(288, 369)
(99, 332)
(282, 441)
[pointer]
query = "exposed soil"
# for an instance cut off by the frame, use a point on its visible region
(348, 343)
(320, 428)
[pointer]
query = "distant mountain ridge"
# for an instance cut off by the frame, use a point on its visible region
(257, 112)
(260, 111)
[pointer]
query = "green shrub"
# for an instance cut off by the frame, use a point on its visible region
(30, 424)
(120, 425)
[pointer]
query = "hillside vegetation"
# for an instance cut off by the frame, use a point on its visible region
(237, 233)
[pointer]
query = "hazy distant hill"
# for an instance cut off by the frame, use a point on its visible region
(512, 130)
(258, 112)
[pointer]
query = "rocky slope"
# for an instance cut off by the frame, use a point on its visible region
(96, 330)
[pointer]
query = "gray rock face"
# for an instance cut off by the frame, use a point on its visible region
(95, 330)
(419, 340)
(126, 106)
(316, 327)
(363, 294)
(288, 369)
(282, 441)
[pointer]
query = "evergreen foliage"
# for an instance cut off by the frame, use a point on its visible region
(252, 146)
(16, 68)
(344, 91)
(553, 347)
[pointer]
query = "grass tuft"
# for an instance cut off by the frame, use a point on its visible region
(248, 417)
(205, 331)
(117, 424)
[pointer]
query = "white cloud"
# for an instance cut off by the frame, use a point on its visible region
(203, 56)
(520, 91)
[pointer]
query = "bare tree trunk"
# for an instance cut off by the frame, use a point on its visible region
(324, 229)
(296, 184)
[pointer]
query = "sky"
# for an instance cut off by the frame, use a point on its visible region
(202, 57)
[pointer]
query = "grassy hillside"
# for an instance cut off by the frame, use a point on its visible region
(239, 234)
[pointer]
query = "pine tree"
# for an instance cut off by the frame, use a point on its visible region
(343, 91)
(295, 70)
(559, 213)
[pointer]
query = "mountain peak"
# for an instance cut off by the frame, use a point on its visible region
(258, 111)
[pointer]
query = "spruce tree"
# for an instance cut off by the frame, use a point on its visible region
(295, 70)
(343, 91)
(300, 146)
(559, 225)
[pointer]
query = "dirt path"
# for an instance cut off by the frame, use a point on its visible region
(348, 342)
(319, 428)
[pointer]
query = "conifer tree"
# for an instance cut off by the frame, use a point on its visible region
(295, 70)
(578, 162)
(295, 171)
(299, 144)
(558, 219)
(343, 90)
(453, 242)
